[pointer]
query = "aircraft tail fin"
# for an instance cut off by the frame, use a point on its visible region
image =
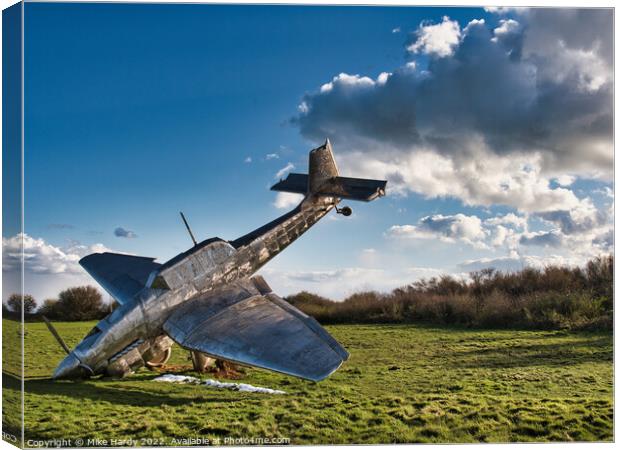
(321, 167)
(323, 180)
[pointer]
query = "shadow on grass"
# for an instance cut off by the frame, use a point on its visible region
(102, 391)
(531, 355)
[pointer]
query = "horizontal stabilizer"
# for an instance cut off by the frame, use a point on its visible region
(122, 276)
(342, 187)
(248, 324)
(296, 183)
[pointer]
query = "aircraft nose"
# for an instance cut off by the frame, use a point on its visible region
(68, 368)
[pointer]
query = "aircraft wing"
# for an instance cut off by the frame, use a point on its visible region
(122, 276)
(246, 323)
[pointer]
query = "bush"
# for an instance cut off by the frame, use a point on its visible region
(554, 297)
(50, 309)
(16, 302)
(79, 303)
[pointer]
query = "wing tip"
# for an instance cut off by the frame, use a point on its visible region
(326, 374)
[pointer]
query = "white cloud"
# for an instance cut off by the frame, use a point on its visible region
(542, 238)
(39, 257)
(285, 200)
(284, 170)
(500, 234)
(501, 10)
(437, 39)
(248, 160)
(458, 227)
(544, 90)
(383, 77)
(517, 262)
(582, 218)
(571, 46)
(606, 191)
(565, 180)
(271, 156)
(508, 219)
(583, 232)
(418, 273)
(47, 268)
(506, 27)
(504, 117)
(396, 30)
(584, 68)
(483, 180)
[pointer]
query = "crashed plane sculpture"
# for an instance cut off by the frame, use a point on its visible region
(208, 301)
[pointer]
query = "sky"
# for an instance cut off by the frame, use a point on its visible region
(492, 126)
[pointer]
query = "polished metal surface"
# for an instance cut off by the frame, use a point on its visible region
(244, 322)
(207, 301)
(122, 276)
(341, 187)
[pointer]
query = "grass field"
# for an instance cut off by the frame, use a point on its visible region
(401, 384)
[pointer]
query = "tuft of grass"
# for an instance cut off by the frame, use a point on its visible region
(402, 384)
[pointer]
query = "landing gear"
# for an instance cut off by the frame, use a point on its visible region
(201, 362)
(159, 360)
(345, 211)
(222, 369)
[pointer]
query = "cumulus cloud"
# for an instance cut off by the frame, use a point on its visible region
(285, 200)
(515, 262)
(565, 180)
(506, 113)
(509, 219)
(605, 240)
(284, 170)
(43, 258)
(509, 34)
(518, 88)
(124, 233)
(39, 257)
(503, 231)
(581, 219)
(542, 238)
(458, 227)
(436, 39)
(487, 179)
(47, 268)
(584, 232)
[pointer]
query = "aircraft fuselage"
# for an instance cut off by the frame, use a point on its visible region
(132, 334)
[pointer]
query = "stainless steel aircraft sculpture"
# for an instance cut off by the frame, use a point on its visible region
(208, 301)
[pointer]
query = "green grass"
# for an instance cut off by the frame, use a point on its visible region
(401, 384)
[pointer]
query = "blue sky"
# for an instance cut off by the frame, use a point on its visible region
(134, 112)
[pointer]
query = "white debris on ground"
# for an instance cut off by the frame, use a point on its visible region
(242, 387)
(171, 378)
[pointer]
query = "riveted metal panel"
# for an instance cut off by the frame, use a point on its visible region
(258, 330)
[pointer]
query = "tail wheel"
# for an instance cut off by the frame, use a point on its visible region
(159, 360)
